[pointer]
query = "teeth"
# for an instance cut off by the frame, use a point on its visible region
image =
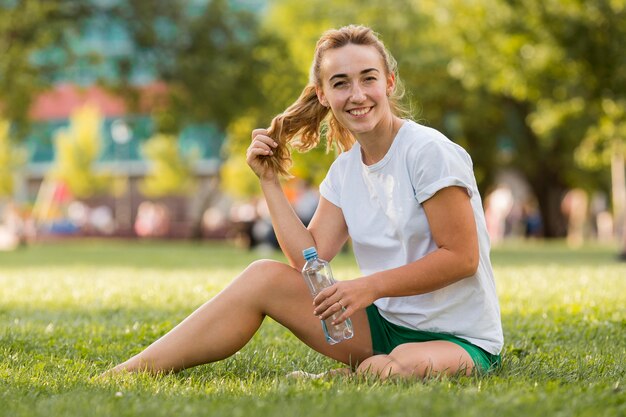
(359, 112)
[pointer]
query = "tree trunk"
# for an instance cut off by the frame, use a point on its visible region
(541, 168)
(199, 203)
(549, 194)
(618, 188)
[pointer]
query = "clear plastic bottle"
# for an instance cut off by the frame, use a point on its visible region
(318, 275)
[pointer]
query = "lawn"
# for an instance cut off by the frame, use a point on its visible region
(68, 311)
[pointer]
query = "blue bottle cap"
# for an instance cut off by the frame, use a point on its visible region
(309, 253)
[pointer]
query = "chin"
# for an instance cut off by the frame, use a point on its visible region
(361, 127)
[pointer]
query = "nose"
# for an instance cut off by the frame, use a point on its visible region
(357, 94)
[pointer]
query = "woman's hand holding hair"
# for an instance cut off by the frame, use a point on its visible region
(346, 296)
(262, 147)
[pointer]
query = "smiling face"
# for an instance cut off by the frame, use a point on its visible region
(355, 84)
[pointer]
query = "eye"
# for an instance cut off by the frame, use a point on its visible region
(370, 79)
(339, 84)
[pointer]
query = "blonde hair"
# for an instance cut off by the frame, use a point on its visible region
(302, 124)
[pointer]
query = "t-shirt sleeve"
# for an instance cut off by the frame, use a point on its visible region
(440, 164)
(330, 188)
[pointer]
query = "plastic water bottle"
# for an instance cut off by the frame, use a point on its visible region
(318, 275)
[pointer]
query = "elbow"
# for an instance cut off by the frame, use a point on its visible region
(470, 263)
(467, 263)
(473, 267)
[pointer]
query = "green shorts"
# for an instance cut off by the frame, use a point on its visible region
(386, 336)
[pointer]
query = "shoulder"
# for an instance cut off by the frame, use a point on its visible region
(423, 143)
(418, 136)
(347, 158)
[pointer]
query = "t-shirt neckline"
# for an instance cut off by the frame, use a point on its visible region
(380, 164)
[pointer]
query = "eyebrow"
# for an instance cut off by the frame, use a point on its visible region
(365, 71)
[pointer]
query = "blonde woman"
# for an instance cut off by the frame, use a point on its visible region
(425, 302)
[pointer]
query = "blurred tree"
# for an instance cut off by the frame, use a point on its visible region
(11, 158)
(215, 59)
(77, 148)
(26, 29)
(238, 180)
(605, 145)
(170, 173)
(205, 52)
(279, 84)
(556, 67)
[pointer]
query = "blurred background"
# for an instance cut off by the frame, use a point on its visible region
(131, 118)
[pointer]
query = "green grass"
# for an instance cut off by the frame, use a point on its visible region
(68, 311)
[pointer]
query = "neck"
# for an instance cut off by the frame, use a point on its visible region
(376, 143)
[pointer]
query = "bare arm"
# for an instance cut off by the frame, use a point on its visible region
(453, 228)
(327, 230)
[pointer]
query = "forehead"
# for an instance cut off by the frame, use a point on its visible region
(350, 60)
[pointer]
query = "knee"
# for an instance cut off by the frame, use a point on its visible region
(267, 266)
(380, 366)
(392, 366)
(266, 271)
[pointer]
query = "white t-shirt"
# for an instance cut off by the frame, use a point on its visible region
(382, 206)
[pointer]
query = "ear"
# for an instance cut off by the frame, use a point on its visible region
(320, 96)
(391, 83)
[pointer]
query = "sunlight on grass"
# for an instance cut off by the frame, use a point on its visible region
(67, 313)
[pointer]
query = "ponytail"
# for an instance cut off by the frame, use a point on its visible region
(300, 127)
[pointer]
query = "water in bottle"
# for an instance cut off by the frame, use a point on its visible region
(318, 275)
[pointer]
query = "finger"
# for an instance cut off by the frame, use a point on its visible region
(260, 138)
(258, 148)
(257, 132)
(325, 304)
(324, 295)
(332, 309)
(345, 314)
(255, 156)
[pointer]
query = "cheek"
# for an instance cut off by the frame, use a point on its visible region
(380, 94)
(336, 102)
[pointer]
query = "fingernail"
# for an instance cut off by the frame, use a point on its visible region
(275, 144)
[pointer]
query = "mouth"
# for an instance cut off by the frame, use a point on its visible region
(362, 111)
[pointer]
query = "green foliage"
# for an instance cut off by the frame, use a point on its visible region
(551, 65)
(237, 179)
(11, 159)
(558, 63)
(279, 85)
(77, 148)
(206, 52)
(170, 171)
(605, 139)
(67, 312)
(26, 29)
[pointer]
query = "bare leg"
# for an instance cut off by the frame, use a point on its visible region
(224, 324)
(420, 360)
